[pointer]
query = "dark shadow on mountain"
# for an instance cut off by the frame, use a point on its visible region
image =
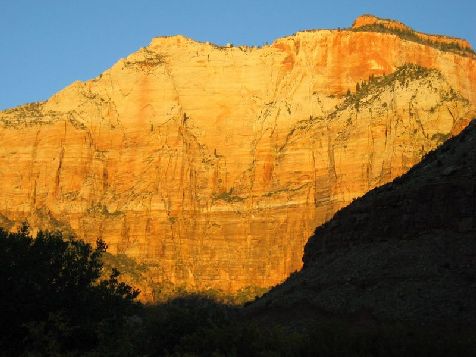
(404, 252)
(392, 274)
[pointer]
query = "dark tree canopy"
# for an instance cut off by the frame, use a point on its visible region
(52, 297)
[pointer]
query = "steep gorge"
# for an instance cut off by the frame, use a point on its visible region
(213, 165)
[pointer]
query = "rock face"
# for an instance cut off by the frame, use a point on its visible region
(213, 165)
(373, 22)
(404, 251)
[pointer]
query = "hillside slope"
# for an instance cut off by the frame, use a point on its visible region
(404, 251)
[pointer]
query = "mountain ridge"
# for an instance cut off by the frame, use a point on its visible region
(369, 22)
(403, 251)
(214, 165)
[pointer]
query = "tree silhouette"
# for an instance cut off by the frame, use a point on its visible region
(52, 297)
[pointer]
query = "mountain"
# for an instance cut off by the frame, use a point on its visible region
(209, 167)
(404, 251)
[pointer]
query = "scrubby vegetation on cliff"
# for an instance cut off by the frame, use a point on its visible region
(413, 36)
(368, 94)
(375, 85)
(147, 61)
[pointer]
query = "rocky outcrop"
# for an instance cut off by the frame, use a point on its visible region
(372, 22)
(213, 165)
(404, 251)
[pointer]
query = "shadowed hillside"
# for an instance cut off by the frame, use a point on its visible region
(404, 251)
(390, 275)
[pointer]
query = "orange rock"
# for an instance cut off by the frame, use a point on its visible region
(366, 20)
(213, 165)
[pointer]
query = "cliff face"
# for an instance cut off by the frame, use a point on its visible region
(404, 251)
(370, 21)
(213, 165)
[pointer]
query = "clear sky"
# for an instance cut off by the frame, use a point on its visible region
(47, 44)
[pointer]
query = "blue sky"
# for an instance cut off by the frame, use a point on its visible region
(47, 44)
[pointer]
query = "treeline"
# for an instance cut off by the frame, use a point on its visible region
(54, 302)
(52, 297)
(413, 36)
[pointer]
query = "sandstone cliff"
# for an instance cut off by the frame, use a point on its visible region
(213, 165)
(370, 22)
(404, 251)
